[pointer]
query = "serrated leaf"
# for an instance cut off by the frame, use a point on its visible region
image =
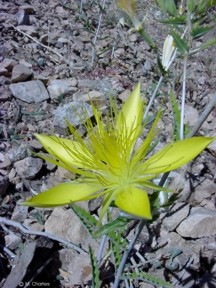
(181, 45)
(96, 282)
(86, 218)
(198, 32)
(147, 277)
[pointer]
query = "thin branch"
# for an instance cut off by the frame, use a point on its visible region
(126, 254)
(28, 230)
(96, 34)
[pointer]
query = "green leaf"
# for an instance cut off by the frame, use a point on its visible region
(181, 45)
(191, 5)
(96, 282)
(171, 7)
(176, 155)
(161, 4)
(86, 218)
(198, 32)
(178, 20)
(111, 226)
(211, 42)
(147, 277)
(177, 116)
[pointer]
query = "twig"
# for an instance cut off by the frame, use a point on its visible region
(126, 254)
(181, 136)
(101, 247)
(28, 230)
(7, 251)
(35, 40)
(96, 34)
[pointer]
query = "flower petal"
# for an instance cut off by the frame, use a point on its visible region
(130, 117)
(65, 193)
(133, 201)
(175, 155)
(65, 150)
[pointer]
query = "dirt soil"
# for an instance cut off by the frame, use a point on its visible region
(86, 45)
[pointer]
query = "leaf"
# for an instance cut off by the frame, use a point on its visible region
(148, 278)
(198, 32)
(176, 155)
(111, 226)
(95, 270)
(171, 7)
(181, 45)
(191, 5)
(211, 42)
(177, 116)
(86, 218)
(178, 20)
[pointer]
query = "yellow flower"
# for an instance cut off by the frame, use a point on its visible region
(108, 165)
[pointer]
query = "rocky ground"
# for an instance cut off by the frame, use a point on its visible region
(51, 61)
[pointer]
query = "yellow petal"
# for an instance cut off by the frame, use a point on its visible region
(133, 201)
(65, 150)
(129, 119)
(65, 193)
(175, 155)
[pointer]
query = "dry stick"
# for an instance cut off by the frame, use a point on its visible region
(27, 230)
(96, 34)
(35, 40)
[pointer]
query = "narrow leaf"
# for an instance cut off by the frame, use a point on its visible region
(180, 43)
(95, 270)
(171, 7)
(198, 32)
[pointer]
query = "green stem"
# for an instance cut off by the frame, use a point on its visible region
(183, 99)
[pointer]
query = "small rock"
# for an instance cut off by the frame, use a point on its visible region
(23, 17)
(18, 153)
(12, 241)
(28, 167)
(191, 115)
(20, 213)
(30, 92)
(8, 64)
(20, 73)
(200, 223)
(30, 30)
(61, 86)
(74, 112)
(124, 95)
(178, 213)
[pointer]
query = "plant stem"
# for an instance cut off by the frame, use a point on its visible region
(181, 136)
(126, 254)
(152, 98)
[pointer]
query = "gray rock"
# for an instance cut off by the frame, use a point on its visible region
(23, 17)
(61, 86)
(18, 153)
(177, 214)
(30, 92)
(12, 241)
(200, 223)
(69, 227)
(28, 167)
(74, 112)
(191, 115)
(20, 73)
(8, 64)
(20, 212)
